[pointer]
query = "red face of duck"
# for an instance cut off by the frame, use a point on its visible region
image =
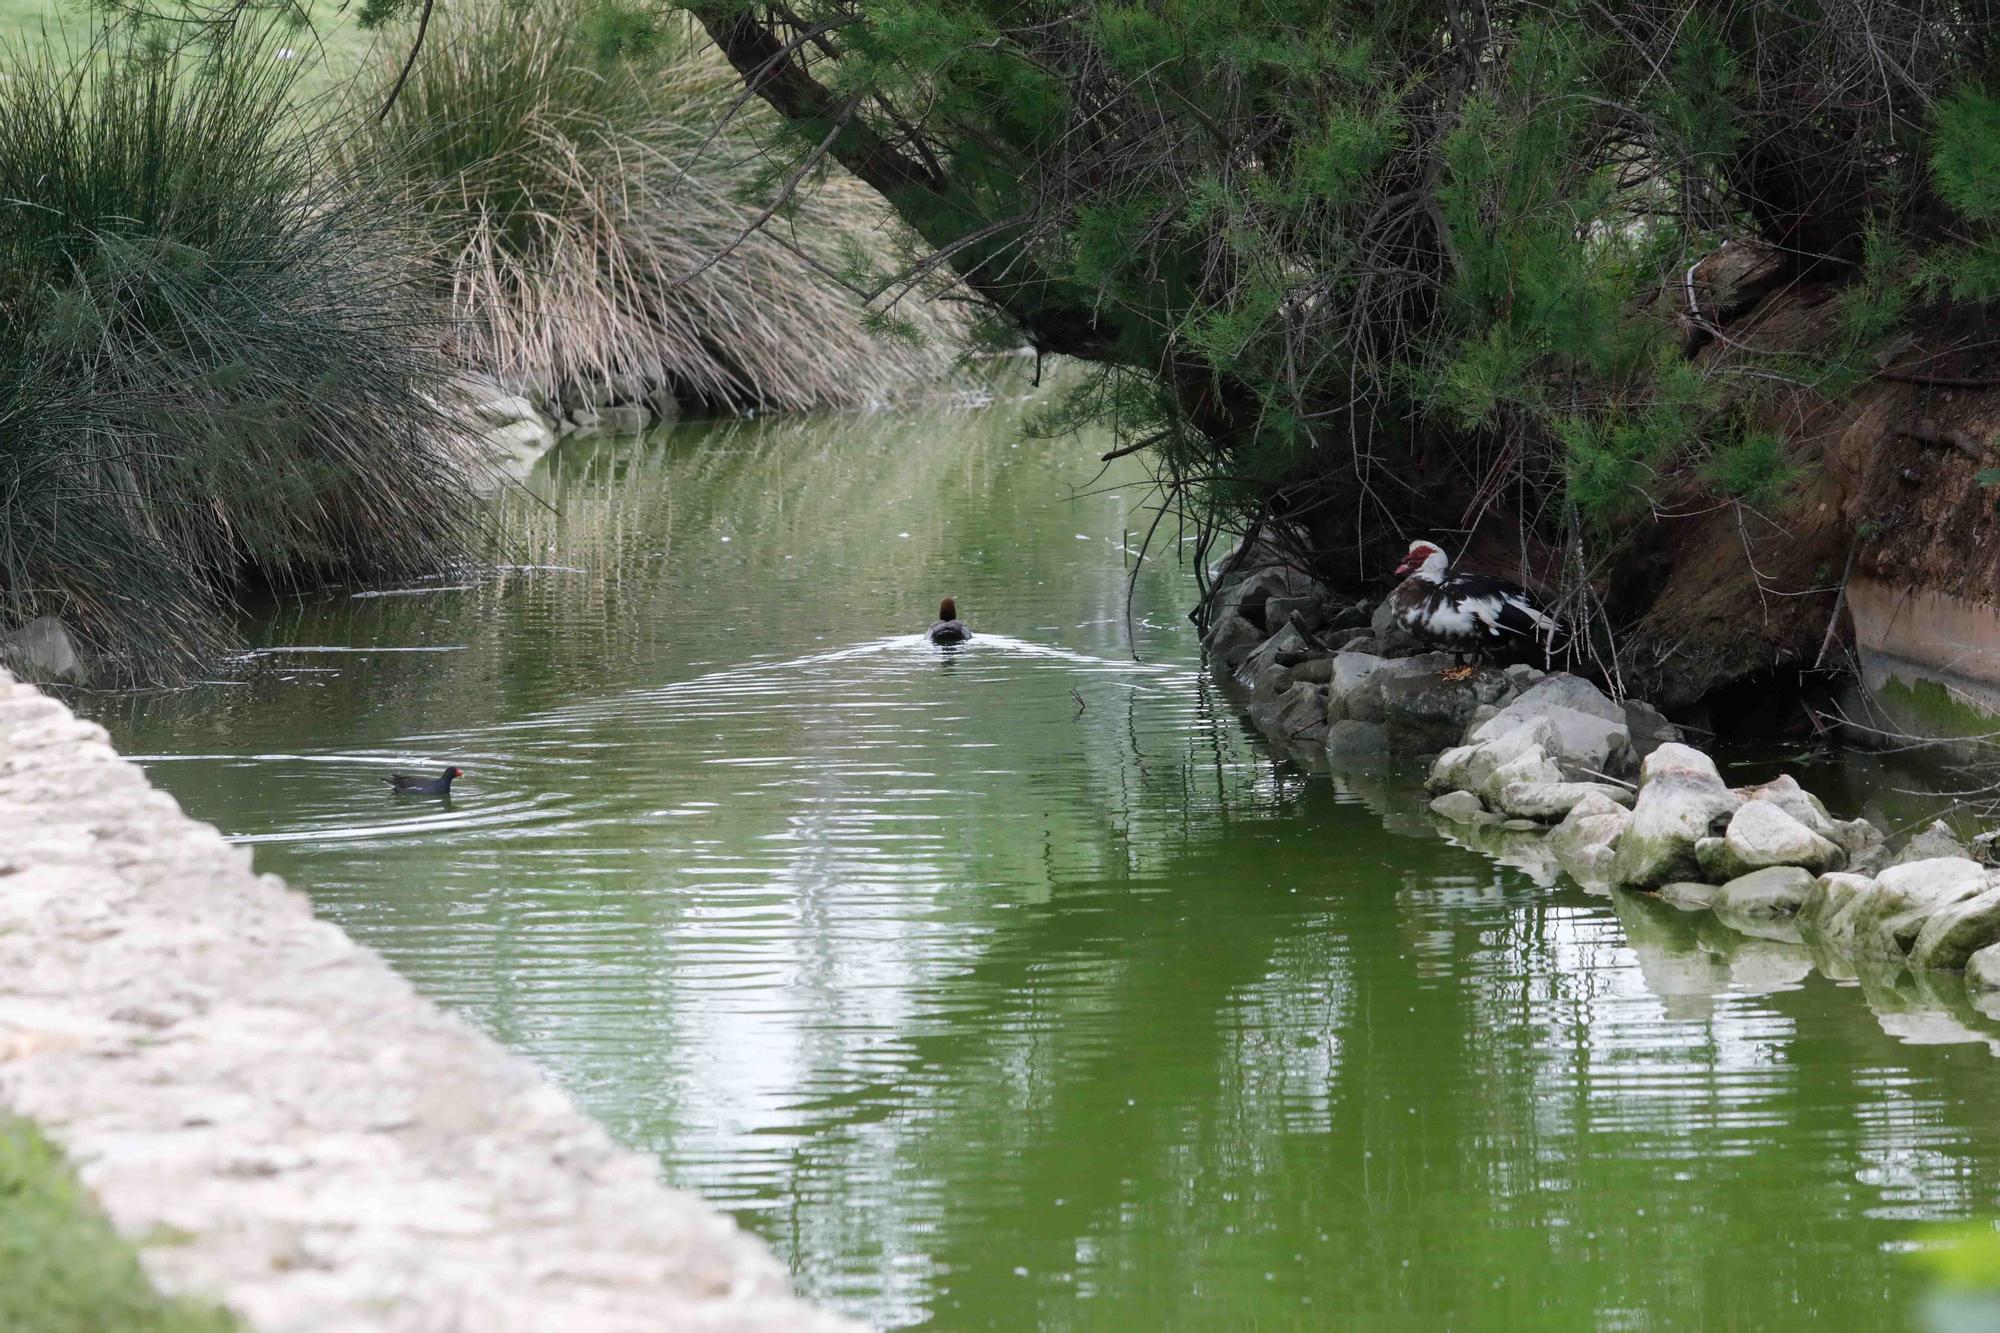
(458, 772)
(1414, 561)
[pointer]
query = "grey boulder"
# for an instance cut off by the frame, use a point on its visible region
(1231, 639)
(1353, 741)
(1760, 835)
(1930, 843)
(1462, 807)
(1884, 921)
(1982, 970)
(1583, 842)
(1299, 713)
(1690, 895)
(1591, 738)
(1286, 640)
(1680, 797)
(1551, 802)
(1773, 893)
(1953, 934)
(1830, 893)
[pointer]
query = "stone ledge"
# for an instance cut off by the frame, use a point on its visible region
(281, 1121)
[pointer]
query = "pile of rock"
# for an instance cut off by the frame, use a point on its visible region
(1331, 670)
(1762, 858)
(1606, 789)
(514, 429)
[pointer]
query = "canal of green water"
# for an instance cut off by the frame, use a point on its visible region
(1020, 985)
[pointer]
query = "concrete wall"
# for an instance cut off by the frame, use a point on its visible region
(280, 1121)
(1930, 662)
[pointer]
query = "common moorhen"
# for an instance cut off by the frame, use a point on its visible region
(949, 628)
(406, 785)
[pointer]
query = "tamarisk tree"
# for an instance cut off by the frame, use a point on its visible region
(1356, 268)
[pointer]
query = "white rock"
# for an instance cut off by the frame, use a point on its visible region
(1884, 921)
(1690, 895)
(1953, 934)
(1762, 895)
(1830, 893)
(1786, 793)
(1530, 767)
(1760, 835)
(1552, 801)
(1583, 843)
(1929, 844)
(1675, 758)
(1462, 807)
(1352, 670)
(1448, 769)
(1680, 796)
(1584, 742)
(1591, 734)
(1572, 692)
(42, 650)
(1469, 767)
(1982, 970)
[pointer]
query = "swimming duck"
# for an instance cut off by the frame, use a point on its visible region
(406, 785)
(949, 628)
(1467, 613)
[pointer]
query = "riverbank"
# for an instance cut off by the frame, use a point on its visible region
(1547, 771)
(283, 1124)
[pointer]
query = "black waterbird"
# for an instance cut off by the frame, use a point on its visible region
(405, 785)
(949, 628)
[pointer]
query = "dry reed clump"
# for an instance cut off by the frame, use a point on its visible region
(213, 368)
(597, 211)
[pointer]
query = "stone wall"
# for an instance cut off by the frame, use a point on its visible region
(280, 1121)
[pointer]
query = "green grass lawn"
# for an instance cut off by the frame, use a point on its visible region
(333, 45)
(62, 1267)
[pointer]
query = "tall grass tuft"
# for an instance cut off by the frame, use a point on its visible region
(578, 194)
(213, 367)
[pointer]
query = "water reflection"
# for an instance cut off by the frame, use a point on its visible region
(1017, 986)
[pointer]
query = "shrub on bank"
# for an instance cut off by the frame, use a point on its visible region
(213, 366)
(595, 202)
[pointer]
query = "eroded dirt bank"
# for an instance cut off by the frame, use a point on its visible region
(279, 1120)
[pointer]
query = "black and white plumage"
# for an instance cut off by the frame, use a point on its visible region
(1468, 613)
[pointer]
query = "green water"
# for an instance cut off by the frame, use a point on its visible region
(1020, 986)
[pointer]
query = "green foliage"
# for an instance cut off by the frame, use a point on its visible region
(1876, 303)
(211, 364)
(63, 1269)
(1700, 107)
(1445, 246)
(1965, 153)
(1752, 467)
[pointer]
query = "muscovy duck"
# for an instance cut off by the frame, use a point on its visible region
(949, 628)
(1473, 614)
(405, 785)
